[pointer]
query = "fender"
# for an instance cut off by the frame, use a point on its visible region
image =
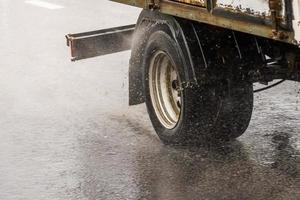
(148, 19)
(194, 41)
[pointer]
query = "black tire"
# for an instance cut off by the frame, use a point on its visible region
(207, 114)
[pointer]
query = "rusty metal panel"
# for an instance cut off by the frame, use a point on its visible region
(268, 12)
(256, 8)
(251, 7)
(193, 2)
(274, 19)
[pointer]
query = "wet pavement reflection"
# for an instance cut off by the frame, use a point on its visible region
(156, 171)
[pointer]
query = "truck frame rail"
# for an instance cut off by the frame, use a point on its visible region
(101, 42)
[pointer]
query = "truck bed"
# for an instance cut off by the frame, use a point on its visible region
(273, 19)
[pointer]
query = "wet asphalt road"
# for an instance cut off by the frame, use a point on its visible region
(67, 132)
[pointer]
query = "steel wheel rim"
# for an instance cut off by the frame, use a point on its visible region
(164, 84)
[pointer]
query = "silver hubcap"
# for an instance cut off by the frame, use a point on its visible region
(165, 91)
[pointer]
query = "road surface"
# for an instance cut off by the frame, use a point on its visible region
(67, 131)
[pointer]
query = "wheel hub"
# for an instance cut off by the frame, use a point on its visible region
(165, 91)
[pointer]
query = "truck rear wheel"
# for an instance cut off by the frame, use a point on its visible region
(190, 114)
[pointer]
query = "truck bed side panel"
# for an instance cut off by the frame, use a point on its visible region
(272, 19)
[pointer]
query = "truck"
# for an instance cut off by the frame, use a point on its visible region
(194, 62)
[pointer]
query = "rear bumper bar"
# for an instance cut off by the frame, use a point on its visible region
(101, 42)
